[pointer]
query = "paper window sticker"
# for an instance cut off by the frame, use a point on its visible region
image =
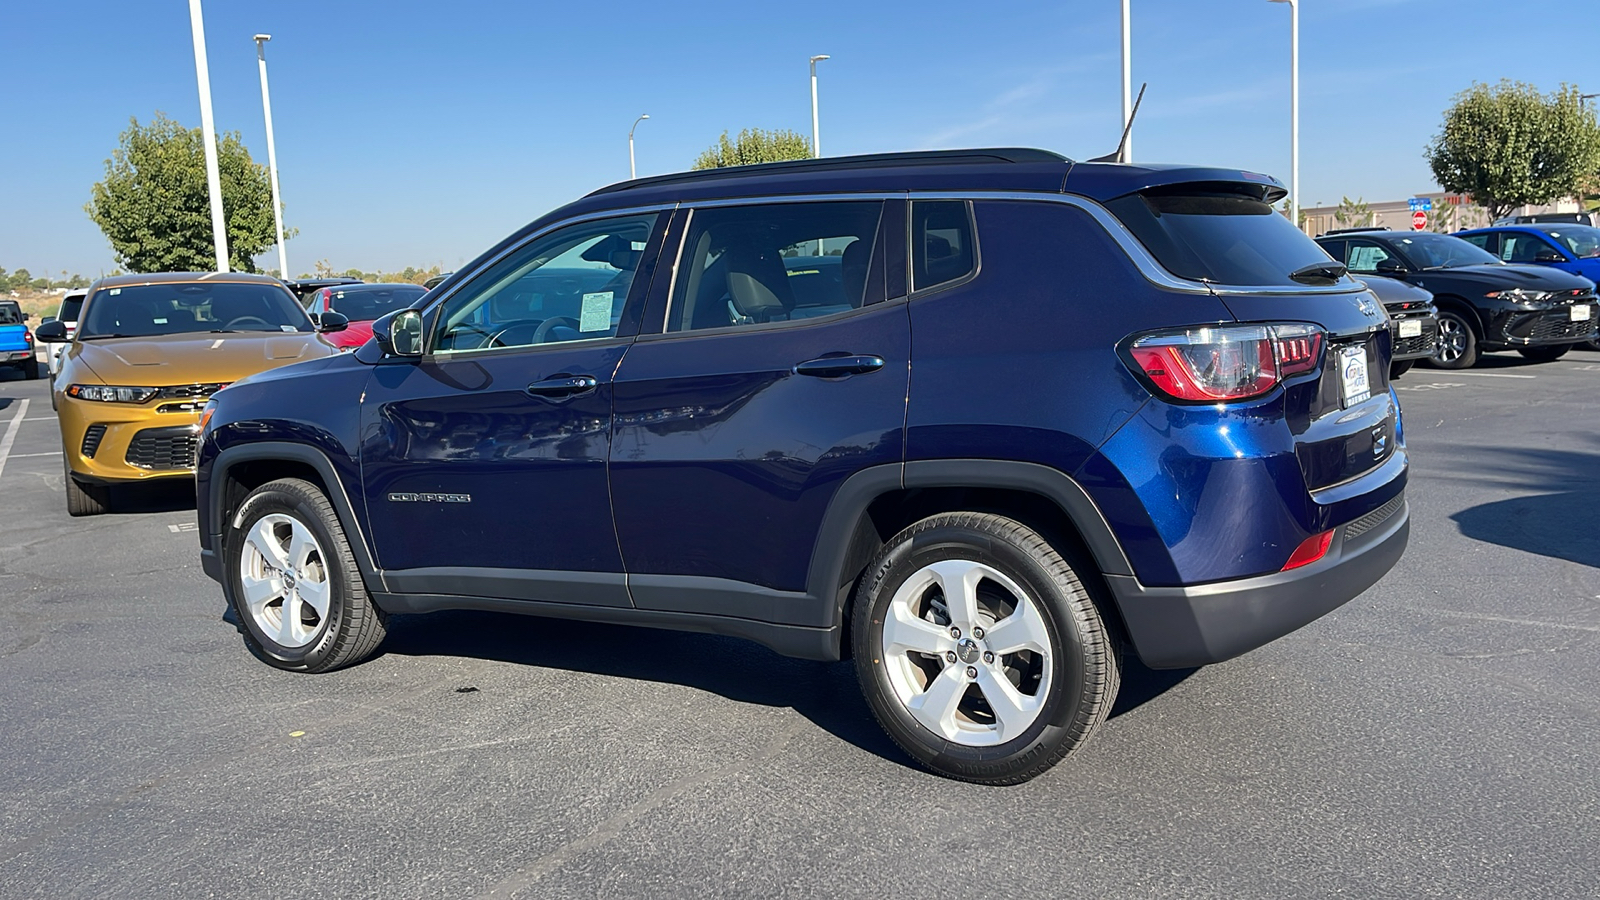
(161, 321)
(288, 328)
(596, 315)
(116, 291)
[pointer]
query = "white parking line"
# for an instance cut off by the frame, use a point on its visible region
(40, 419)
(26, 455)
(1493, 375)
(11, 434)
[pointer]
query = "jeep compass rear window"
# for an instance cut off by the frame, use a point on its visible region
(1220, 236)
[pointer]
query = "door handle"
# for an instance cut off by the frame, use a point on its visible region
(563, 386)
(835, 366)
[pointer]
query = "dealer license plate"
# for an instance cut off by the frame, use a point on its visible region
(1353, 371)
(1410, 328)
(1580, 313)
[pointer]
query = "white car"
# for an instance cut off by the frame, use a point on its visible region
(71, 304)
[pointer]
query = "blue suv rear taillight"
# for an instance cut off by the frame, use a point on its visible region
(1226, 362)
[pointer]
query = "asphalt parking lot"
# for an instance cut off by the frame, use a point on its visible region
(1434, 738)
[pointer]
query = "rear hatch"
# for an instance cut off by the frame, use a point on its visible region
(13, 333)
(1264, 270)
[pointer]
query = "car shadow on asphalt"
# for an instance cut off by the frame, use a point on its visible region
(824, 693)
(1556, 514)
(171, 495)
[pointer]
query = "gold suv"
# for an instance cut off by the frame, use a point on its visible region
(149, 351)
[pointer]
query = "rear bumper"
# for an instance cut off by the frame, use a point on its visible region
(1178, 627)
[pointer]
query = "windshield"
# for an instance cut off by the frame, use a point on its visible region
(363, 304)
(149, 310)
(70, 308)
(1582, 241)
(1427, 250)
(1218, 236)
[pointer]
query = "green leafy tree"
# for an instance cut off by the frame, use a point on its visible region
(155, 209)
(753, 146)
(1509, 145)
(19, 280)
(1352, 213)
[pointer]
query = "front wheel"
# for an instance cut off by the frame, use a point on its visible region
(1400, 367)
(1545, 354)
(1458, 344)
(979, 648)
(86, 499)
(294, 584)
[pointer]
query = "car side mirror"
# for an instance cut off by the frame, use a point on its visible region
(1390, 266)
(331, 321)
(51, 333)
(399, 333)
(27, 316)
(1548, 256)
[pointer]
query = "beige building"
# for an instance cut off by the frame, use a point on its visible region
(1451, 212)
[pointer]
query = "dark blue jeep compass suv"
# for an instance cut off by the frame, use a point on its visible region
(983, 421)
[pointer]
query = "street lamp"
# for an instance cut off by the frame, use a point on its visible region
(1127, 87)
(208, 136)
(1294, 109)
(632, 172)
(816, 142)
(272, 155)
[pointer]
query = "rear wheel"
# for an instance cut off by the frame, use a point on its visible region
(979, 649)
(1400, 367)
(1545, 354)
(86, 499)
(1458, 344)
(30, 370)
(293, 582)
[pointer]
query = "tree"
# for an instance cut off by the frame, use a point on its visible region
(155, 209)
(20, 279)
(1510, 146)
(752, 146)
(1352, 213)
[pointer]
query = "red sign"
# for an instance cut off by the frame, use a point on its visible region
(1419, 220)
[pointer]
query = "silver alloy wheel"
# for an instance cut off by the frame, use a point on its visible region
(284, 577)
(967, 652)
(1452, 339)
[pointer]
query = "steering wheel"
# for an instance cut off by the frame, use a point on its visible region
(232, 322)
(496, 338)
(543, 331)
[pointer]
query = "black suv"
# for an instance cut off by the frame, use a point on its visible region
(980, 420)
(1484, 304)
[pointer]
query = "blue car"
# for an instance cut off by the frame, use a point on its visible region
(982, 421)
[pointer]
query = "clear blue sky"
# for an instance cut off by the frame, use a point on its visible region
(418, 133)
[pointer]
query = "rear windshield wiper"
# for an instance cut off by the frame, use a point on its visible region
(1319, 273)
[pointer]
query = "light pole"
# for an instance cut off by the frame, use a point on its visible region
(208, 135)
(1127, 86)
(272, 155)
(816, 142)
(632, 172)
(1294, 109)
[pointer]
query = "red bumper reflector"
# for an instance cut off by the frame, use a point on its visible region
(1310, 550)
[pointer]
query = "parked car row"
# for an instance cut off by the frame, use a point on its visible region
(694, 402)
(1484, 303)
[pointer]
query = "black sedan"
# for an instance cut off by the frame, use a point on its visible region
(1413, 321)
(1484, 304)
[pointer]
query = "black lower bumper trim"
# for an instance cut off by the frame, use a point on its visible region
(1179, 627)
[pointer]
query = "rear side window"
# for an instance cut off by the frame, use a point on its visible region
(787, 262)
(1365, 256)
(1482, 241)
(10, 314)
(70, 308)
(1217, 234)
(942, 246)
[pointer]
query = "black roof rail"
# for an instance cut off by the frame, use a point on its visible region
(983, 156)
(1353, 230)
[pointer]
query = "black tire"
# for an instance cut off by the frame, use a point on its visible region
(353, 626)
(30, 370)
(1400, 367)
(1545, 354)
(86, 499)
(1085, 657)
(1591, 345)
(1458, 342)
